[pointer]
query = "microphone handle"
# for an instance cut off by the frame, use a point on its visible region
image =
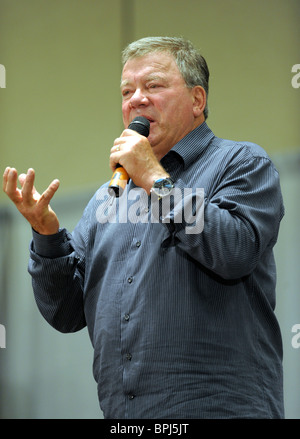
(118, 181)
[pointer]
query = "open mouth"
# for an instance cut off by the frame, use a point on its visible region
(152, 121)
(149, 118)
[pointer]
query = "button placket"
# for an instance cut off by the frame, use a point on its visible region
(127, 308)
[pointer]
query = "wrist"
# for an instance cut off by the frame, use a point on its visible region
(52, 246)
(154, 177)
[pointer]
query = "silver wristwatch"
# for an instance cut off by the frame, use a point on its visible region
(162, 187)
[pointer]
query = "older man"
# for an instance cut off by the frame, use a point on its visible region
(182, 324)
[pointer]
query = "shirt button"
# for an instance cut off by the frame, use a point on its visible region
(138, 244)
(130, 396)
(126, 317)
(130, 279)
(128, 357)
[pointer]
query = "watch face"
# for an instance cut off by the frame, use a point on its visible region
(163, 191)
(162, 187)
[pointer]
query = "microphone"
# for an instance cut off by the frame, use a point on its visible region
(120, 177)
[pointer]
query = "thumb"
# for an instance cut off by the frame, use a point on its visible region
(49, 192)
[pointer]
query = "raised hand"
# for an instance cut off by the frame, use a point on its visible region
(33, 206)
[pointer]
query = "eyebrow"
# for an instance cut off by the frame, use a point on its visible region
(150, 77)
(124, 83)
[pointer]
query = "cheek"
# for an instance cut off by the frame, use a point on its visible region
(125, 114)
(124, 108)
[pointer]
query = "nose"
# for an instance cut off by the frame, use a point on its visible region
(138, 98)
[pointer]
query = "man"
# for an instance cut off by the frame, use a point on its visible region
(182, 324)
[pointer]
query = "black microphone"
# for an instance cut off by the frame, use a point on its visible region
(120, 177)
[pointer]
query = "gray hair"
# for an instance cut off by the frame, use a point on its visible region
(190, 62)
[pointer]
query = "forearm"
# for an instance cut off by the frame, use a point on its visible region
(229, 246)
(236, 223)
(57, 280)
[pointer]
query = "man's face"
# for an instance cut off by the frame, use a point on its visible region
(153, 87)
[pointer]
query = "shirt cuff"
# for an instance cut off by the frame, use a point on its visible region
(52, 246)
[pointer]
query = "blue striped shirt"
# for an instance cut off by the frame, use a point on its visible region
(182, 324)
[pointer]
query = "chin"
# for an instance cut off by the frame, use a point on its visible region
(153, 139)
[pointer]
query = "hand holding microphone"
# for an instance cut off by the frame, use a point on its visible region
(120, 177)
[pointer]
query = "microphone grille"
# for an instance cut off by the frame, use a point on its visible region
(141, 125)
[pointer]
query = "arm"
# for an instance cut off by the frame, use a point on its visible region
(57, 272)
(56, 268)
(241, 214)
(241, 219)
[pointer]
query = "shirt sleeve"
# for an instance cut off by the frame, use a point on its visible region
(240, 219)
(56, 266)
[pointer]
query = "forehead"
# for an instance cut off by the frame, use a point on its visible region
(156, 63)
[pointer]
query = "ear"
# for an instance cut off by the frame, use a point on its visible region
(199, 100)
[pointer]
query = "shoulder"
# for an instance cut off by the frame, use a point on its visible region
(234, 147)
(239, 153)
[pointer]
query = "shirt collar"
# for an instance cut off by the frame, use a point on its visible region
(193, 144)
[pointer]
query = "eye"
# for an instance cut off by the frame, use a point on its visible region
(126, 92)
(153, 85)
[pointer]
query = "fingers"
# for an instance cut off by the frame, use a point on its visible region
(124, 140)
(118, 144)
(127, 132)
(49, 192)
(10, 178)
(115, 153)
(33, 206)
(128, 140)
(27, 181)
(5, 177)
(10, 181)
(27, 194)
(113, 161)
(22, 178)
